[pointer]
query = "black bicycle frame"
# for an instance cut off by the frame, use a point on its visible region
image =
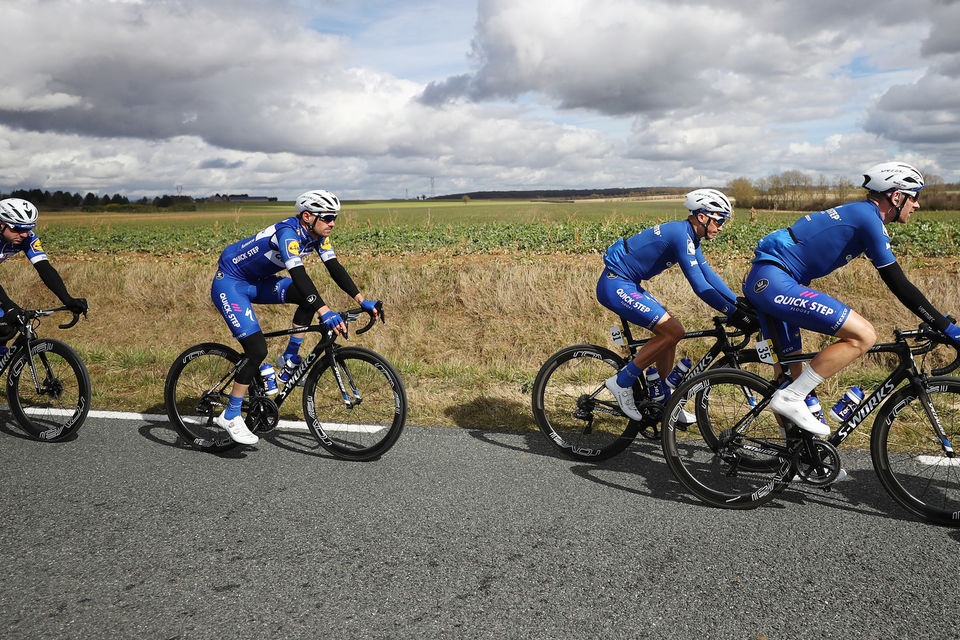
(721, 346)
(304, 366)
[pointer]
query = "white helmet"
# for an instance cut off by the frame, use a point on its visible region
(18, 213)
(893, 175)
(318, 201)
(709, 201)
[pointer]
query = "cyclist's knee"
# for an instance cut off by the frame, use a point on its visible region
(858, 332)
(670, 329)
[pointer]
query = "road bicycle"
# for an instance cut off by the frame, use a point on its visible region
(741, 455)
(48, 386)
(354, 401)
(574, 409)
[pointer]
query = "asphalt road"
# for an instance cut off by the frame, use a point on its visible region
(453, 534)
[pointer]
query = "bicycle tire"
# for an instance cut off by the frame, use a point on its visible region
(711, 461)
(568, 390)
(355, 430)
(58, 409)
(197, 390)
(907, 454)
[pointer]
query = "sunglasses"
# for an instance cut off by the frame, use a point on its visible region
(327, 217)
(18, 229)
(719, 220)
(911, 194)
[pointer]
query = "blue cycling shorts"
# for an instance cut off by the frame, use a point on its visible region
(233, 299)
(629, 300)
(791, 305)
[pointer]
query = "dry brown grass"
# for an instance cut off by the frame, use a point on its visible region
(468, 333)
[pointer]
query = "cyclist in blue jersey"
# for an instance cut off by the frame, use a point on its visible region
(18, 219)
(629, 261)
(787, 260)
(247, 273)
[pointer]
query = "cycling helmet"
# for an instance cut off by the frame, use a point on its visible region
(18, 213)
(889, 176)
(709, 201)
(318, 201)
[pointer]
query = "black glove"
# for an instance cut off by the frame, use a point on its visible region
(12, 314)
(76, 305)
(743, 321)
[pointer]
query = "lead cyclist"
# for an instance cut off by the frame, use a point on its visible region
(247, 273)
(787, 260)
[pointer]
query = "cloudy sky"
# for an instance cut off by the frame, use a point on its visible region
(376, 98)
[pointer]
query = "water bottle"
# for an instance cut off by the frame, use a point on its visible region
(813, 403)
(656, 387)
(679, 371)
(289, 366)
(845, 406)
(269, 375)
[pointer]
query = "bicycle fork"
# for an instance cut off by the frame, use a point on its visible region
(342, 373)
(931, 412)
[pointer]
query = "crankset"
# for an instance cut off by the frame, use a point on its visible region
(262, 414)
(817, 462)
(652, 413)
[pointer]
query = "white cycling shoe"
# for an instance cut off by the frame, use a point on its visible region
(624, 396)
(686, 418)
(796, 411)
(237, 429)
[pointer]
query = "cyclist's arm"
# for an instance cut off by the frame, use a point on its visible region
(5, 302)
(341, 277)
(715, 281)
(911, 297)
(307, 289)
(51, 278)
(690, 266)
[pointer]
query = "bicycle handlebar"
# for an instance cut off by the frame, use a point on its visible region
(354, 314)
(933, 338)
(33, 314)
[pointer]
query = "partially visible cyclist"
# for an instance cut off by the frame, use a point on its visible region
(18, 219)
(787, 260)
(247, 274)
(629, 261)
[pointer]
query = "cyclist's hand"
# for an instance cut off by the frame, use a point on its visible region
(77, 305)
(743, 321)
(953, 332)
(371, 306)
(334, 322)
(13, 315)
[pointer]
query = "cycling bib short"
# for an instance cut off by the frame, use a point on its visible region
(628, 300)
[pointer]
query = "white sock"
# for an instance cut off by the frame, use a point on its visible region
(804, 384)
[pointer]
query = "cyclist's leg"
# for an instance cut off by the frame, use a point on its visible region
(301, 318)
(776, 293)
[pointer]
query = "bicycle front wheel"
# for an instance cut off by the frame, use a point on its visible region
(197, 390)
(909, 457)
(356, 407)
(735, 455)
(53, 405)
(575, 410)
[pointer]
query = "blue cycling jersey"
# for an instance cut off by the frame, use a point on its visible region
(30, 246)
(658, 248)
(820, 243)
(279, 246)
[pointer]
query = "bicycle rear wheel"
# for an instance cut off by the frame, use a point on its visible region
(365, 421)
(908, 456)
(733, 457)
(53, 406)
(573, 408)
(197, 390)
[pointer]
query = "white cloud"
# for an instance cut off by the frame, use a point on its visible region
(218, 95)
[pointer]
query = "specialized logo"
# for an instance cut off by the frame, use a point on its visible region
(219, 275)
(293, 247)
(611, 275)
(760, 285)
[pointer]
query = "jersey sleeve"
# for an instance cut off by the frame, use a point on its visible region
(690, 257)
(325, 249)
(714, 280)
(34, 249)
(876, 243)
(288, 244)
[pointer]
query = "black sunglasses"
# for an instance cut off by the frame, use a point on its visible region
(327, 217)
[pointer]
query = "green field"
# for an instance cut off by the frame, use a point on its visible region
(476, 227)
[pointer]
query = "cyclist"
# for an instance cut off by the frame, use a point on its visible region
(787, 260)
(18, 218)
(247, 272)
(631, 260)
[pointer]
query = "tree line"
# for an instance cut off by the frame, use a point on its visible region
(91, 202)
(797, 191)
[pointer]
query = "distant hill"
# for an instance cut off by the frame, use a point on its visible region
(566, 194)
